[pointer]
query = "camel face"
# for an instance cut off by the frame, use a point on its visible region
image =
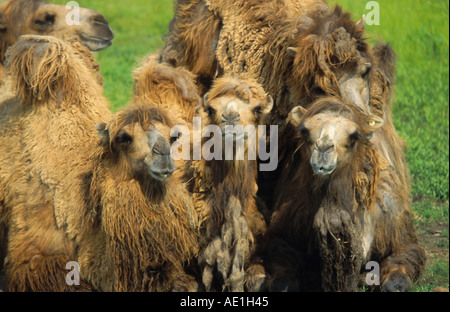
(236, 106)
(330, 131)
(332, 138)
(146, 151)
(354, 83)
(41, 18)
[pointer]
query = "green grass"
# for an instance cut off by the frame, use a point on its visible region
(436, 275)
(418, 30)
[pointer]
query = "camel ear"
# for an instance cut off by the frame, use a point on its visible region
(361, 24)
(103, 133)
(269, 105)
(296, 115)
(373, 124)
(292, 51)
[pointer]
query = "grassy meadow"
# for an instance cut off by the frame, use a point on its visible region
(418, 30)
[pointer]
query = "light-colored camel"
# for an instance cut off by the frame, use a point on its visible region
(48, 132)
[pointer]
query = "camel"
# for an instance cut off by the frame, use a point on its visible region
(225, 189)
(47, 131)
(343, 207)
(22, 17)
(137, 231)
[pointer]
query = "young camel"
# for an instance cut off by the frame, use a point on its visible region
(22, 17)
(343, 207)
(225, 190)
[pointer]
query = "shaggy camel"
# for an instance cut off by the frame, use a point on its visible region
(139, 231)
(312, 49)
(225, 190)
(47, 132)
(21, 17)
(343, 207)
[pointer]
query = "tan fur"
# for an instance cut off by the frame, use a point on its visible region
(172, 89)
(144, 228)
(323, 221)
(22, 17)
(47, 133)
(225, 191)
(192, 21)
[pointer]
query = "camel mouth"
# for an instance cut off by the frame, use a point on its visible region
(323, 173)
(96, 43)
(160, 175)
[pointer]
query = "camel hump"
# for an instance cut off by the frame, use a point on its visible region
(38, 66)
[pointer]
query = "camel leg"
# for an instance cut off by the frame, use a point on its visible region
(402, 268)
(340, 249)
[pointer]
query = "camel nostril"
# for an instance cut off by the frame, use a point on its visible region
(230, 118)
(100, 19)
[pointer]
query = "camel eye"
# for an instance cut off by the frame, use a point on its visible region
(124, 138)
(47, 20)
(173, 139)
(366, 70)
(355, 136)
(210, 111)
(258, 110)
(303, 130)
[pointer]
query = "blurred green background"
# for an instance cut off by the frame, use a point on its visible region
(418, 30)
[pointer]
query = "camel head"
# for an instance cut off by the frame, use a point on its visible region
(41, 18)
(236, 102)
(330, 132)
(137, 140)
(331, 57)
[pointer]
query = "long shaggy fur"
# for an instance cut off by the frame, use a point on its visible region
(192, 21)
(321, 222)
(144, 226)
(172, 89)
(47, 132)
(225, 198)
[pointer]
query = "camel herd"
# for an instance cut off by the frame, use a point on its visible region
(81, 184)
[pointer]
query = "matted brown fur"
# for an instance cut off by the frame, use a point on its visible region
(172, 89)
(225, 193)
(192, 21)
(145, 228)
(47, 133)
(325, 230)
